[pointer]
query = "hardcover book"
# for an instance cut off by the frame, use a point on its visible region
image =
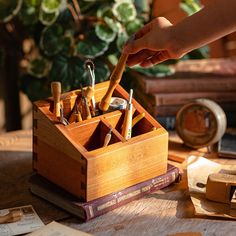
(88, 210)
(174, 84)
(167, 104)
(209, 75)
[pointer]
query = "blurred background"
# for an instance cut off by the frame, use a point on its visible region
(47, 40)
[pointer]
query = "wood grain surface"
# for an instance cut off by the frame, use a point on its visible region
(165, 212)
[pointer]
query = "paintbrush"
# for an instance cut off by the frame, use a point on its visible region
(89, 65)
(127, 125)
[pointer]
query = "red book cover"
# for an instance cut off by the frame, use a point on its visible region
(88, 210)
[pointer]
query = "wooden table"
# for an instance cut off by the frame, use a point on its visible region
(163, 212)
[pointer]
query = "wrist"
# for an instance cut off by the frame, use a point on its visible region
(175, 45)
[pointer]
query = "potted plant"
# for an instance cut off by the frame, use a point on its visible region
(57, 36)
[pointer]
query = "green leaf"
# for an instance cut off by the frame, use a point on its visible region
(121, 40)
(92, 46)
(39, 67)
(104, 11)
(114, 25)
(105, 33)
(157, 70)
(190, 6)
(102, 71)
(69, 71)
(68, 42)
(142, 6)
(112, 58)
(48, 18)
(65, 18)
(133, 26)
(32, 3)
(9, 9)
(50, 6)
(124, 11)
(52, 39)
(35, 88)
(199, 53)
(29, 14)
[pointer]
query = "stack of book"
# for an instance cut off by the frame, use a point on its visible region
(214, 79)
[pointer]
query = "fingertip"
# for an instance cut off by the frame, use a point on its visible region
(127, 46)
(125, 49)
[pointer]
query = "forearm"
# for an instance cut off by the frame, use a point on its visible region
(212, 22)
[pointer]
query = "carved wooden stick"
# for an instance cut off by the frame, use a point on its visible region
(86, 111)
(89, 94)
(75, 115)
(56, 93)
(114, 81)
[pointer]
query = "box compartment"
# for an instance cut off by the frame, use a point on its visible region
(91, 135)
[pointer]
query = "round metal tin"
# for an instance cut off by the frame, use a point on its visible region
(201, 123)
(117, 103)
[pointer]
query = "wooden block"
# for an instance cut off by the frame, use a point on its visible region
(73, 156)
(219, 187)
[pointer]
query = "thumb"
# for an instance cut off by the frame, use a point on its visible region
(134, 46)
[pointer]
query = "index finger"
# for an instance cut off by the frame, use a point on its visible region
(141, 32)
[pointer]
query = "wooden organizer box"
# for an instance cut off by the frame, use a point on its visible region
(73, 156)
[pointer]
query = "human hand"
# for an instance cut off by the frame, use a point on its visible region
(152, 44)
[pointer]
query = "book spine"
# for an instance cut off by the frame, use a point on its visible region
(104, 205)
(179, 83)
(182, 98)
